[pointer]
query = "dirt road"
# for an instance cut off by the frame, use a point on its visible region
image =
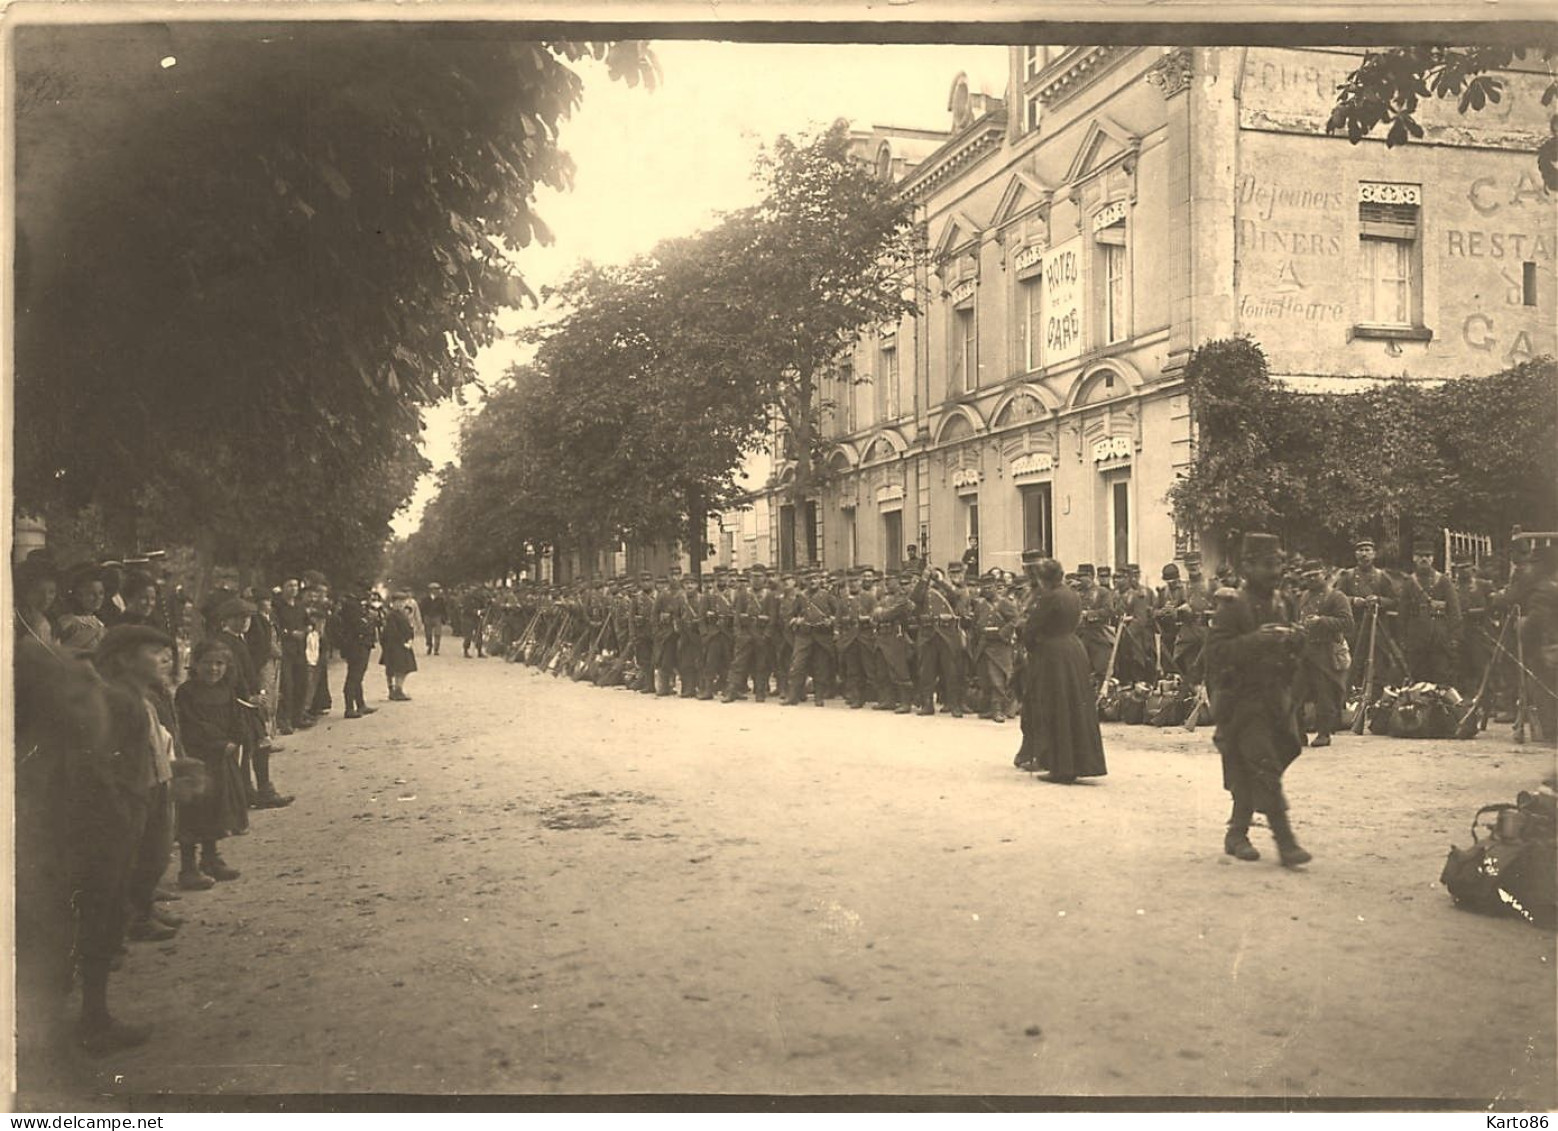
(518, 884)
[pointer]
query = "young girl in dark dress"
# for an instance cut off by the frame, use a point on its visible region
(212, 730)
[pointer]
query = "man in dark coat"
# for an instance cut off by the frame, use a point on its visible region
(852, 643)
(1251, 655)
(719, 636)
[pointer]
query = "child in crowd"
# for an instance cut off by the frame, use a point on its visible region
(212, 730)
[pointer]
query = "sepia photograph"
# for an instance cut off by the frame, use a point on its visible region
(997, 566)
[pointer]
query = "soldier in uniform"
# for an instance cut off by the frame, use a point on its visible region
(942, 645)
(870, 655)
(1473, 594)
(1430, 619)
(812, 617)
(768, 624)
(1136, 606)
(1251, 654)
(1171, 594)
(893, 616)
(1095, 631)
(719, 634)
(689, 637)
(1372, 594)
(1192, 617)
(853, 617)
(642, 619)
(745, 606)
(784, 633)
(668, 602)
(1540, 627)
(1326, 617)
(995, 640)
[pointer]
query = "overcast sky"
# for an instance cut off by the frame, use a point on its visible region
(663, 163)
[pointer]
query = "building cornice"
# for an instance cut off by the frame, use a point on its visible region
(984, 137)
(1074, 70)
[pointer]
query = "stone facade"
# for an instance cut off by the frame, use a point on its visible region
(1120, 207)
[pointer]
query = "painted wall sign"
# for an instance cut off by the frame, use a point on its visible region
(1111, 447)
(1029, 257)
(1380, 192)
(1034, 463)
(1063, 292)
(1112, 214)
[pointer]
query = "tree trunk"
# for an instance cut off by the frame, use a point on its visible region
(697, 530)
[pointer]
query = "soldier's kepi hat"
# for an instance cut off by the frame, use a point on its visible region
(673, 570)
(1085, 570)
(1132, 568)
(1030, 557)
(954, 567)
(1363, 544)
(1311, 565)
(1192, 559)
(1105, 571)
(646, 576)
(1423, 546)
(1259, 546)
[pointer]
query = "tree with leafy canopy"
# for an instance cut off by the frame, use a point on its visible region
(1389, 86)
(1477, 453)
(828, 252)
(249, 254)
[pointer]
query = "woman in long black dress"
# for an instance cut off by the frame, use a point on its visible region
(1060, 732)
(395, 651)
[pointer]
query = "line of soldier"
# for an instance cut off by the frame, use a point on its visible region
(926, 636)
(903, 641)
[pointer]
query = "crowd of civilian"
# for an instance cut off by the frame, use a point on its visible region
(146, 721)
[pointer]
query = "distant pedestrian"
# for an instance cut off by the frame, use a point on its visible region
(1060, 732)
(435, 610)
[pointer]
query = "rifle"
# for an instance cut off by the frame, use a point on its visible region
(1368, 674)
(1522, 701)
(1469, 726)
(1193, 720)
(1114, 652)
(518, 651)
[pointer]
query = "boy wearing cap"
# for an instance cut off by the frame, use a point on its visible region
(1252, 652)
